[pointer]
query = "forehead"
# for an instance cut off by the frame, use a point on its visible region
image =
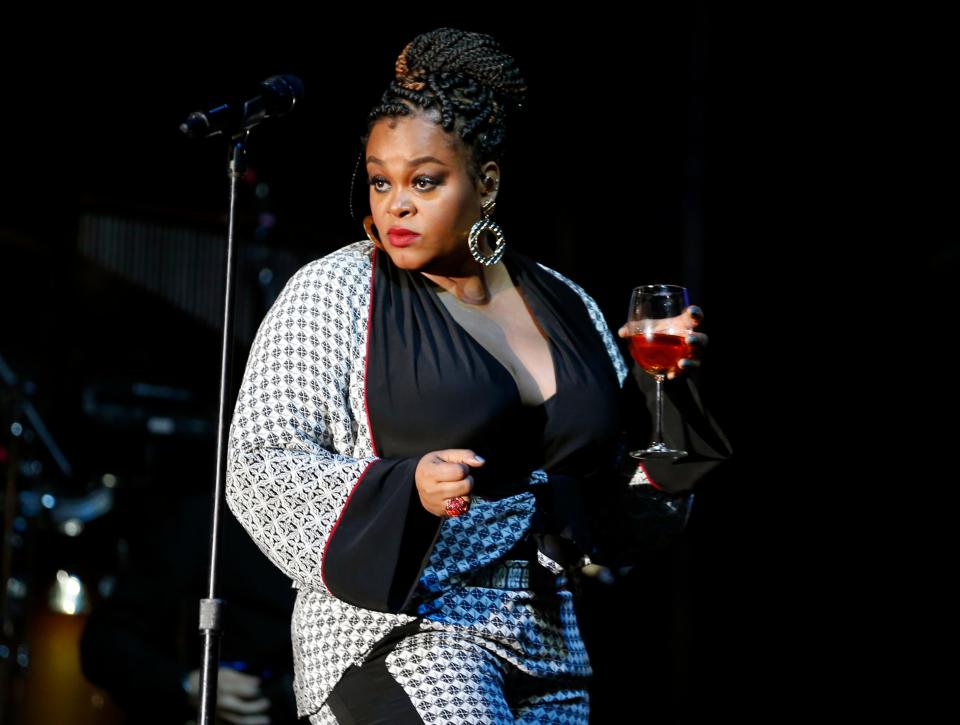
(402, 138)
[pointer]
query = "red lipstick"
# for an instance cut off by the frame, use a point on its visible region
(400, 237)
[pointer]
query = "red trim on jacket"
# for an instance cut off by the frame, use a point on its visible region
(366, 357)
(323, 557)
(649, 477)
(373, 443)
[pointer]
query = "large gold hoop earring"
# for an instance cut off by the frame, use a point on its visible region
(486, 224)
(368, 228)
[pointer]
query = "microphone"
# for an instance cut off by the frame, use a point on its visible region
(279, 95)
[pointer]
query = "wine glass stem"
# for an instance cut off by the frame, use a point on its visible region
(658, 425)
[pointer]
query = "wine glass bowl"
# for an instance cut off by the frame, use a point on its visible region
(658, 342)
(659, 353)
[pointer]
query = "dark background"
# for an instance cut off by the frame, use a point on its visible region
(624, 169)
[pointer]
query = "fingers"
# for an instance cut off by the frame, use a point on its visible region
(453, 464)
(443, 477)
(697, 340)
(442, 506)
(685, 365)
(691, 317)
(453, 488)
(460, 455)
(448, 472)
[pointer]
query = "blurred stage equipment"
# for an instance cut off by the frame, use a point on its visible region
(279, 96)
(48, 575)
(183, 264)
(36, 472)
(23, 433)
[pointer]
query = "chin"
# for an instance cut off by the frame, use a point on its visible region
(405, 258)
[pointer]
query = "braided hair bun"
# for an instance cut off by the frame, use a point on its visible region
(467, 78)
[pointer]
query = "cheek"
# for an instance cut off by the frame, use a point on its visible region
(378, 208)
(460, 213)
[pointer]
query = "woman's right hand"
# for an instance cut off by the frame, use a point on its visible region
(443, 475)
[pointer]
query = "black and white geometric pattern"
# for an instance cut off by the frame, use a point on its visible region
(324, 716)
(549, 642)
(456, 679)
(299, 442)
(476, 539)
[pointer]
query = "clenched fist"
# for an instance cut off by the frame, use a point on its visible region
(443, 475)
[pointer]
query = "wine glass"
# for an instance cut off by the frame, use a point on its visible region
(658, 346)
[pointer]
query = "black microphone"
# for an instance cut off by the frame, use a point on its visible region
(279, 96)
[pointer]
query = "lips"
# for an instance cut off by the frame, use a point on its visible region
(402, 237)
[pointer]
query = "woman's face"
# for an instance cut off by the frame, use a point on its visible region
(420, 182)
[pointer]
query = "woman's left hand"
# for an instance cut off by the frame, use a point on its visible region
(690, 319)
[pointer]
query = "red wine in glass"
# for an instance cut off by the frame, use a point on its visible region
(659, 352)
(658, 343)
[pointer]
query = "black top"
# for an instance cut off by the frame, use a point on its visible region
(432, 385)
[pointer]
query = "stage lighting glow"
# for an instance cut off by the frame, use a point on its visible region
(67, 595)
(72, 527)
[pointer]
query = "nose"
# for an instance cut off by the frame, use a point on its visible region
(401, 205)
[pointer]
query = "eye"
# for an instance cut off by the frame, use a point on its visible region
(421, 183)
(374, 181)
(428, 180)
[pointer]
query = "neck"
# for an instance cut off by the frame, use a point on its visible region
(472, 289)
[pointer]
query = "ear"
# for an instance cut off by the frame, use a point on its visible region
(489, 182)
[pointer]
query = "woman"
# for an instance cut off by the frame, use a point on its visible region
(424, 425)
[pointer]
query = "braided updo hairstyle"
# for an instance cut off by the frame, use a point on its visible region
(467, 79)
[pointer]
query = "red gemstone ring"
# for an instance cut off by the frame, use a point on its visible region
(456, 506)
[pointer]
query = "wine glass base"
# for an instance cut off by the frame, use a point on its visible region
(658, 450)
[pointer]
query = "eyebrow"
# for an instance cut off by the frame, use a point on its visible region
(411, 163)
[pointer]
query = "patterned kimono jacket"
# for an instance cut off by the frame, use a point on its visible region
(356, 372)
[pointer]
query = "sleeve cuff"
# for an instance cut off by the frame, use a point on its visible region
(686, 425)
(380, 544)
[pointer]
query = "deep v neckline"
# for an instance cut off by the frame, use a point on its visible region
(435, 290)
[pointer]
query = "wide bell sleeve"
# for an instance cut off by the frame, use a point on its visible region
(302, 477)
(687, 425)
(630, 506)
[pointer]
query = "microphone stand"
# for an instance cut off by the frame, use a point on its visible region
(211, 608)
(279, 96)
